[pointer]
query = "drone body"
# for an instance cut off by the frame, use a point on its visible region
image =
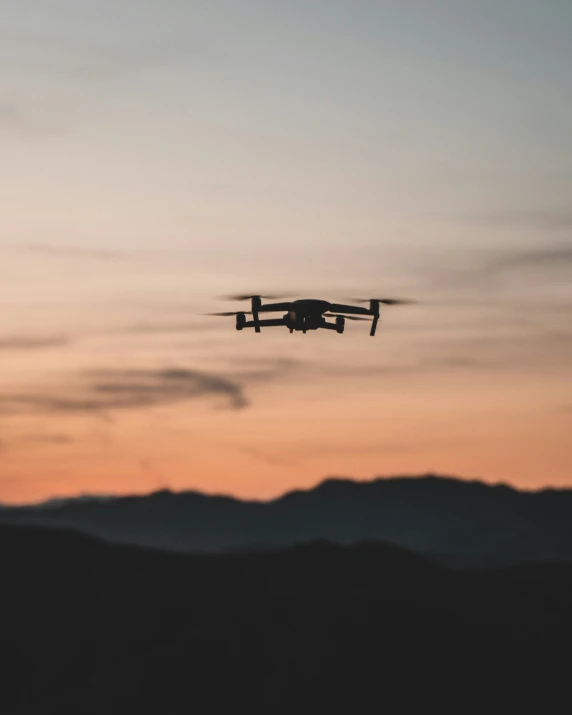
(308, 314)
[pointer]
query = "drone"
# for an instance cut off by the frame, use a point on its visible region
(307, 314)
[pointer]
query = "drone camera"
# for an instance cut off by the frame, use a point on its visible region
(240, 320)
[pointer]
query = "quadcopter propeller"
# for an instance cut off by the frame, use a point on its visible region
(347, 317)
(250, 297)
(386, 301)
(232, 312)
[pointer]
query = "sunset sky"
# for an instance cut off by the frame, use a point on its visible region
(157, 155)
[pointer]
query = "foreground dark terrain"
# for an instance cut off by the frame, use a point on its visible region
(91, 627)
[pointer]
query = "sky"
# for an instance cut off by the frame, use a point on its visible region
(155, 156)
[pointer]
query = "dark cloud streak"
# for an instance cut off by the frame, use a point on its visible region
(26, 342)
(110, 390)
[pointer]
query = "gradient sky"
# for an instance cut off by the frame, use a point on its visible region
(155, 155)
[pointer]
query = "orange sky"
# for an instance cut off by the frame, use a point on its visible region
(304, 422)
(158, 155)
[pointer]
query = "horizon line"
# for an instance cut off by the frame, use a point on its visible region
(58, 501)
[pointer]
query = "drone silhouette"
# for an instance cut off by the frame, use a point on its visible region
(307, 314)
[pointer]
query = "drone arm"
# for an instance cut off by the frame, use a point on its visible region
(278, 307)
(350, 309)
(264, 323)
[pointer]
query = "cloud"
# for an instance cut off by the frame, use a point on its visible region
(42, 438)
(501, 279)
(265, 368)
(548, 219)
(12, 118)
(76, 63)
(18, 117)
(542, 258)
(165, 328)
(82, 56)
(108, 390)
(265, 456)
(457, 352)
(39, 438)
(429, 364)
(149, 469)
(100, 254)
(28, 342)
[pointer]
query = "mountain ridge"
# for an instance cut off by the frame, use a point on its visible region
(327, 482)
(461, 522)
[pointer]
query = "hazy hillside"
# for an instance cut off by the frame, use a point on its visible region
(459, 522)
(92, 627)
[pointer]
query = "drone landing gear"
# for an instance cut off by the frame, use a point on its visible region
(337, 326)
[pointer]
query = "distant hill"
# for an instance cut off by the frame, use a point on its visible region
(93, 627)
(455, 521)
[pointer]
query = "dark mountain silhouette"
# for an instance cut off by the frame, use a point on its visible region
(458, 522)
(94, 627)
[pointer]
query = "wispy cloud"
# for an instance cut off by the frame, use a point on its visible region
(542, 259)
(544, 219)
(480, 277)
(73, 64)
(83, 56)
(421, 364)
(469, 352)
(100, 392)
(33, 342)
(27, 117)
(100, 254)
(298, 451)
(43, 438)
(13, 119)
(46, 438)
(165, 328)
